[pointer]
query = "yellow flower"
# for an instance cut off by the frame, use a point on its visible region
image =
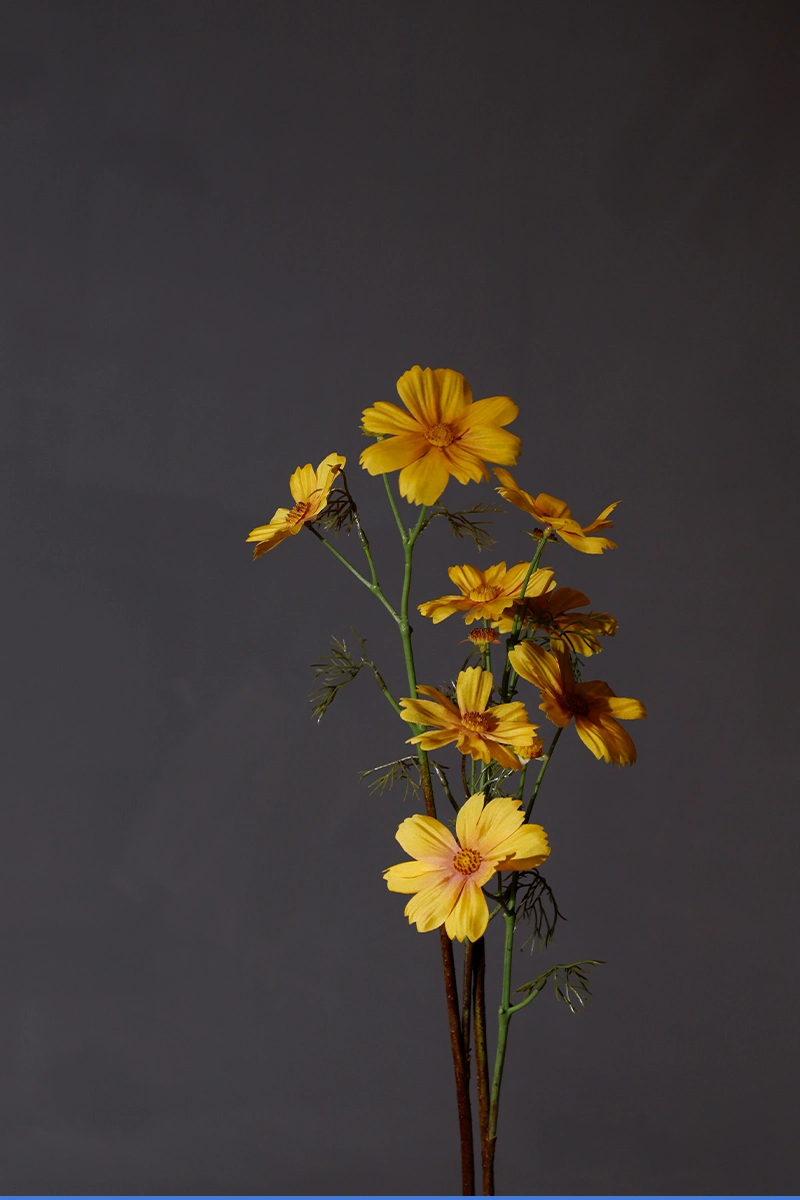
(568, 629)
(447, 875)
(443, 433)
(309, 490)
(533, 749)
(486, 594)
(554, 513)
(485, 733)
(593, 704)
(483, 637)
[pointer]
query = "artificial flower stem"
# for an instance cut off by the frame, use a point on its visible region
(509, 676)
(372, 587)
(542, 770)
(504, 1019)
(481, 1055)
(466, 1001)
(448, 963)
(393, 503)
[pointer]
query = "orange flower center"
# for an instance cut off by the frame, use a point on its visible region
(467, 861)
(576, 703)
(440, 435)
(485, 592)
(479, 722)
(482, 637)
(298, 513)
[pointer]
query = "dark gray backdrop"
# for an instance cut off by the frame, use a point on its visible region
(226, 228)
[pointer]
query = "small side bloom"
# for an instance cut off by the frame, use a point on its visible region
(597, 711)
(486, 595)
(446, 877)
(549, 511)
(484, 733)
(554, 613)
(443, 433)
(309, 490)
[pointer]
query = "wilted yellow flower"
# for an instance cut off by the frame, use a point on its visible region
(486, 594)
(484, 733)
(482, 637)
(533, 749)
(443, 433)
(447, 875)
(568, 629)
(554, 513)
(309, 490)
(593, 704)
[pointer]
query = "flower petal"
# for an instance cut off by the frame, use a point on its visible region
(431, 907)
(419, 391)
(473, 689)
(393, 453)
(496, 410)
(413, 876)
(525, 849)
(464, 464)
(302, 483)
(424, 480)
(489, 442)
(470, 914)
(455, 394)
(606, 739)
(467, 578)
(534, 663)
(388, 418)
(500, 818)
(427, 839)
(467, 820)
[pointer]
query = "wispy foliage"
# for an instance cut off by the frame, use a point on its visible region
(570, 982)
(468, 522)
(340, 515)
(402, 770)
(537, 905)
(336, 671)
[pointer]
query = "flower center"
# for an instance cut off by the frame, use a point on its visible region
(576, 703)
(467, 861)
(440, 435)
(298, 513)
(482, 636)
(485, 592)
(479, 722)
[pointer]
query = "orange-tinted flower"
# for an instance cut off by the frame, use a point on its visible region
(309, 490)
(594, 706)
(554, 613)
(485, 595)
(549, 511)
(443, 433)
(484, 733)
(447, 876)
(483, 636)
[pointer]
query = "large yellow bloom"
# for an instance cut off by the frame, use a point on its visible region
(447, 875)
(486, 593)
(593, 704)
(554, 513)
(485, 733)
(555, 613)
(309, 490)
(443, 433)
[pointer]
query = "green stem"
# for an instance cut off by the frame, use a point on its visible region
(509, 675)
(373, 587)
(393, 502)
(542, 771)
(482, 1059)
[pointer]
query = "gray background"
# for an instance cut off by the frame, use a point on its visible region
(226, 228)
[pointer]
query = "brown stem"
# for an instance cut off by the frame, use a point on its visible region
(466, 1003)
(482, 1065)
(460, 1067)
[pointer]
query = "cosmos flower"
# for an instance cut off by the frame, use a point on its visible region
(309, 490)
(447, 876)
(484, 733)
(486, 594)
(443, 433)
(554, 513)
(593, 704)
(555, 614)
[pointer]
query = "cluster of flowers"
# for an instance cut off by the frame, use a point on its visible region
(441, 433)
